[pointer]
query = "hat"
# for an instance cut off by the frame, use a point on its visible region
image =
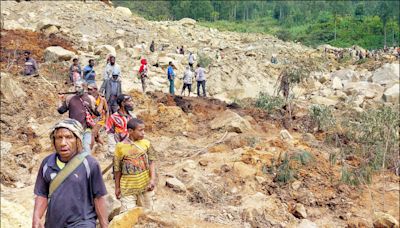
(92, 85)
(70, 124)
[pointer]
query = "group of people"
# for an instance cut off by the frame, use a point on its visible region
(69, 184)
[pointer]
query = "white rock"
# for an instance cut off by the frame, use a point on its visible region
(323, 101)
(10, 88)
(384, 220)
(45, 23)
(386, 75)
(175, 184)
(12, 25)
(120, 32)
(5, 147)
(300, 211)
(187, 22)
(105, 50)
(346, 74)
(57, 53)
(124, 11)
(120, 45)
(367, 89)
(164, 61)
(337, 83)
(392, 94)
(305, 223)
(230, 122)
(285, 135)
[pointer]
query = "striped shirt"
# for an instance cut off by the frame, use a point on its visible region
(133, 161)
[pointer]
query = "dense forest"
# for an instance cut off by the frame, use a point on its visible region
(370, 24)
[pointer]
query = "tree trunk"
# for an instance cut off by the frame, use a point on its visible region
(384, 33)
(280, 13)
(335, 27)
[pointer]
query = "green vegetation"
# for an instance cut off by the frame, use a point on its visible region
(370, 24)
(269, 103)
(287, 169)
(322, 117)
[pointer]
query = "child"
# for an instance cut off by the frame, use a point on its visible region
(134, 168)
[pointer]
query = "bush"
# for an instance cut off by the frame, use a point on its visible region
(287, 170)
(269, 103)
(322, 117)
(203, 60)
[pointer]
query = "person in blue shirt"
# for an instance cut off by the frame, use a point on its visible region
(88, 72)
(171, 78)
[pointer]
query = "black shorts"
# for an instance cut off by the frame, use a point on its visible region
(189, 86)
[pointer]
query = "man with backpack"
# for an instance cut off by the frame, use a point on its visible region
(81, 107)
(69, 183)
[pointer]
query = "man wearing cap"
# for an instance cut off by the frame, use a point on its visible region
(112, 68)
(116, 125)
(80, 107)
(102, 108)
(79, 199)
(111, 88)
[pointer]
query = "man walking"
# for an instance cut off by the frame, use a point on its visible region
(201, 79)
(191, 60)
(187, 80)
(111, 88)
(116, 125)
(69, 183)
(80, 106)
(171, 78)
(88, 72)
(112, 68)
(30, 66)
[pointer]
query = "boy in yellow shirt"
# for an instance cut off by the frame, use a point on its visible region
(134, 168)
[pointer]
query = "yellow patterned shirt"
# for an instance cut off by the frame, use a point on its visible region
(132, 160)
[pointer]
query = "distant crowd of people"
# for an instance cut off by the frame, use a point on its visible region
(356, 53)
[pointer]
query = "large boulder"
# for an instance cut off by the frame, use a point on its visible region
(5, 147)
(104, 50)
(127, 219)
(337, 83)
(187, 22)
(46, 23)
(392, 94)
(231, 122)
(10, 89)
(164, 61)
(366, 89)
(12, 25)
(346, 74)
(57, 53)
(124, 11)
(383, 220)
(388, 74)
(323, 101)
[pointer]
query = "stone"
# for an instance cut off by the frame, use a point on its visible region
(175, 184)
(45, 23)
(5, 148)
(231, 122)
(383, 220)
(305, 223)
(346, 74)
(104, 50)
(296, 185)
(127, 219)
(120, 32)
(244, 170)
(124, 11)
(300, 211)
(337, 83)
(119, 45)
(57, 53)
(366, 89)
(50, 30)
(285, 135)
(187, 22)
(386, 75)
(10, 88)
(260, 179)
(203, 162)
(323, 101)
(392, 94)
(12, 25)
(164, 61)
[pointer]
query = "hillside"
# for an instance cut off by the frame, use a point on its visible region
(233, 159)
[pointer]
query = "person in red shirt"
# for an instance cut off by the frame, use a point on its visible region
(143, 73)
(116, 125)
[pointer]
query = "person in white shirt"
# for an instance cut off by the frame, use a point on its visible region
(187, 80)
(111, 68)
